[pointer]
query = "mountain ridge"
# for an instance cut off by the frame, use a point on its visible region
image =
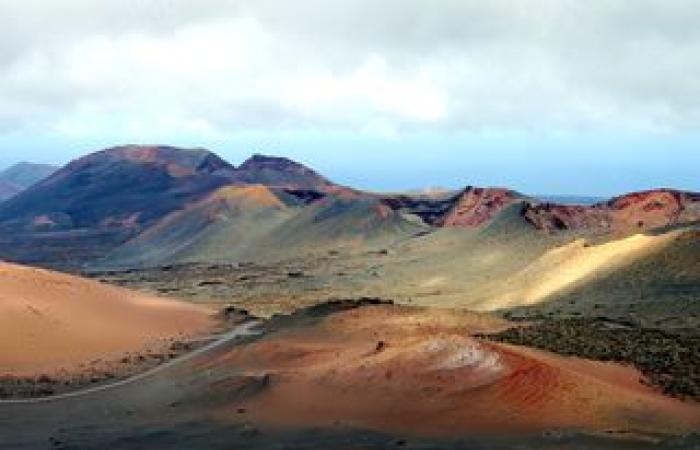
(21, 176)
(112, 196)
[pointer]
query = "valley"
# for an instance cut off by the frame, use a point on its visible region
(156, 296)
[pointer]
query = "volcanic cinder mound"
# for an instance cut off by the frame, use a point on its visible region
(98, 202)
(470, 208)
(477, 206)
(279, 172)
(257, 222)
(420, 372)
(225, 222)
(51, 322)
(123, 187)
(639, 211)
(165, 198)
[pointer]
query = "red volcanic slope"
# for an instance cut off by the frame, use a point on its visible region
(636, 211)
(419, 372)
(477, 206)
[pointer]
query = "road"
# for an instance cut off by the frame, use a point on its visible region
(245, 329)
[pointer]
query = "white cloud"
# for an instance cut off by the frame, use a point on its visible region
(149, 68)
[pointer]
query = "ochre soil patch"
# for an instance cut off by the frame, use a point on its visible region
(51, 322)
(418, 371)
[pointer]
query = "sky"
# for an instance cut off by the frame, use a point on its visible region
(545, 96)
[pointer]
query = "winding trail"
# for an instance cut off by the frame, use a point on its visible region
(245, 329)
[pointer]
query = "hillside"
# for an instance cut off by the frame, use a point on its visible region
(51, 321)
(163, 202)
(624, 215)
(8, 190)
(416, 371)
(236, 214)
(631, 213)
(471, 207)
(120, 187)
(257, 223)
(97, 202)
(278, 172)
(658, 287)
(19, 177)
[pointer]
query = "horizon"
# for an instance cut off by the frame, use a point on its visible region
(554, 98)
(337, 172)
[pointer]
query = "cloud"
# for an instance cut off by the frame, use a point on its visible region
(161, 67)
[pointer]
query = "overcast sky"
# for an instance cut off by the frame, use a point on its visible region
(546, 96)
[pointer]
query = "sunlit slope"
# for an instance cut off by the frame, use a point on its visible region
(51, 321)
(658, 284)
(460, 267)
(574, 264)
(507, 264)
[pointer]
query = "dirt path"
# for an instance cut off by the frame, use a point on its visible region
(245, 329)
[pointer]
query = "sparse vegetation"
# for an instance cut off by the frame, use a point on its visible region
(668, 361)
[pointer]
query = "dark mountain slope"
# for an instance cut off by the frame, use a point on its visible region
(25, 174)
(278, 172)
(8, 190)
(98, 201)
(19, 177)
(120, 187)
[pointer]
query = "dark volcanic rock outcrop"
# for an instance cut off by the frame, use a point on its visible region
(431, 209)
(469, 208)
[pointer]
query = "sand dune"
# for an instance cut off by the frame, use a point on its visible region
(51, 321)
(421, 372)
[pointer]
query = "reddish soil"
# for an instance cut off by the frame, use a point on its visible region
(639, 211)
(420, 372)
(51, 322)
(476, 206)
